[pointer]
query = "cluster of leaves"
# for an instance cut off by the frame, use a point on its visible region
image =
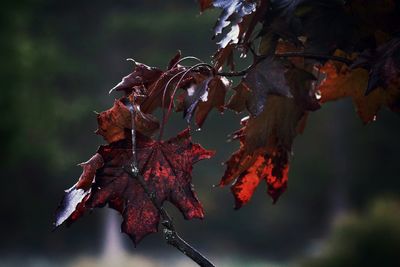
(305, 53)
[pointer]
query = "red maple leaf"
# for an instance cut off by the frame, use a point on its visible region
(166, 168)
(265, 146)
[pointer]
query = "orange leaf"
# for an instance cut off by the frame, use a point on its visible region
(342, 82)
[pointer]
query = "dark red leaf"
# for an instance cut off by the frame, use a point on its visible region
(166, 167)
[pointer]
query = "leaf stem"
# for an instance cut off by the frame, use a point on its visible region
(235, 73)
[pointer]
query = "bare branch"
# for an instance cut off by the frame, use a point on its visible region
(315, 56)
(286, 55)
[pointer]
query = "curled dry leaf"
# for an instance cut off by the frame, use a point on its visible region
(142, 75)
(166, 168)
(161, 92)
(113, 123)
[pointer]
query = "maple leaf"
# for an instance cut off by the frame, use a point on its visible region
(342, 82)
(265, 145)
(267, 77)
(114, 122)
(232, 14)
(166, 168)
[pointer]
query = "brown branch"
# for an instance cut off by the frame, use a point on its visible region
(286, 55)
(170, 234)
(315, 56)
(235, 73)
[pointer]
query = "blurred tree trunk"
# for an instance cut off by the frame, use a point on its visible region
(337, 131)
(113, 248)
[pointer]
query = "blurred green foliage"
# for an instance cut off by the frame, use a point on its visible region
(372, 239)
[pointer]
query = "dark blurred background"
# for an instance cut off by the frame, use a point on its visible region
(58, 61)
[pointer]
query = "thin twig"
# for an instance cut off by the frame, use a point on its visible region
(170, 234)
(235, 73)
(286, 55)
(315, 56)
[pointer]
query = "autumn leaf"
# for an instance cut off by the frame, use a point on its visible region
(267, 77)
(344, 82)
(152, 88)
(265, 145)
(166, 167)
